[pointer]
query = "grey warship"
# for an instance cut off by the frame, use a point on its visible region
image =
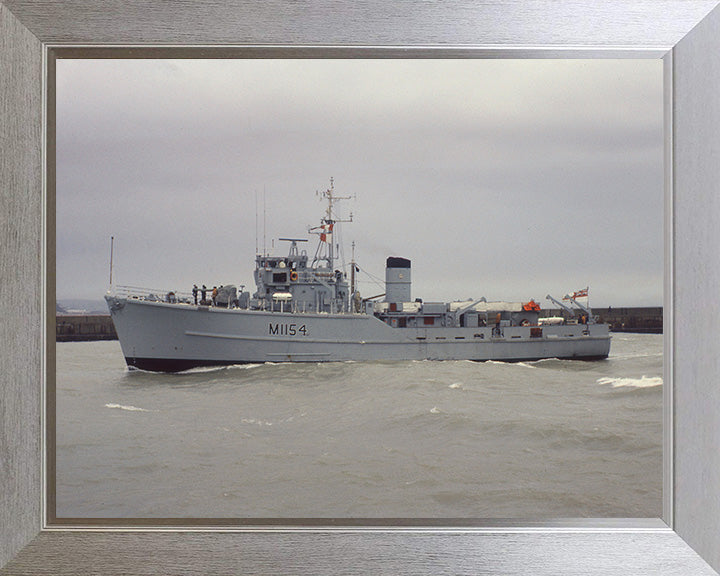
(306, 310)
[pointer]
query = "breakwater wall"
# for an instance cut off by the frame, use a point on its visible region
(648, 320)
(84, 328)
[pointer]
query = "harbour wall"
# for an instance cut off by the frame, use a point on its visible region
(89, 327)
(647, 320)
(84, 328)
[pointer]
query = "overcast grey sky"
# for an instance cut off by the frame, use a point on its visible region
(508, 179)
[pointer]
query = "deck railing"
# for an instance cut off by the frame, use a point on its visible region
(156, 294)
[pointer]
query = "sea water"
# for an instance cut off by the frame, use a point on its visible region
(416, 439)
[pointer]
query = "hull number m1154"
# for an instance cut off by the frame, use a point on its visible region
(282, 329)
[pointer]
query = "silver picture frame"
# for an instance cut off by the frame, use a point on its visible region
(684, 33)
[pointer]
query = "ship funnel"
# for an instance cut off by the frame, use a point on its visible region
(397, 279)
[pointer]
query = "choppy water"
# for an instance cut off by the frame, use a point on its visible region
(461, 439)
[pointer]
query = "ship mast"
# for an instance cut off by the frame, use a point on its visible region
(328, 223)
(352, 270)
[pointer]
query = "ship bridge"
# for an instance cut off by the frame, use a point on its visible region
(291, 284)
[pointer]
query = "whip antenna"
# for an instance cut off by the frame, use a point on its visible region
(112, 241)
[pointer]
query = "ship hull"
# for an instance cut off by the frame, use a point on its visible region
(166, 337)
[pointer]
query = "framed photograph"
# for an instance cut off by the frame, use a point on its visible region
(310, 392)
(498, 547)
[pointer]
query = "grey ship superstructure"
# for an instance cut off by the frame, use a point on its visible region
(305, 310)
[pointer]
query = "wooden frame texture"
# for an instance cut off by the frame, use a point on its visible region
(685, 33)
